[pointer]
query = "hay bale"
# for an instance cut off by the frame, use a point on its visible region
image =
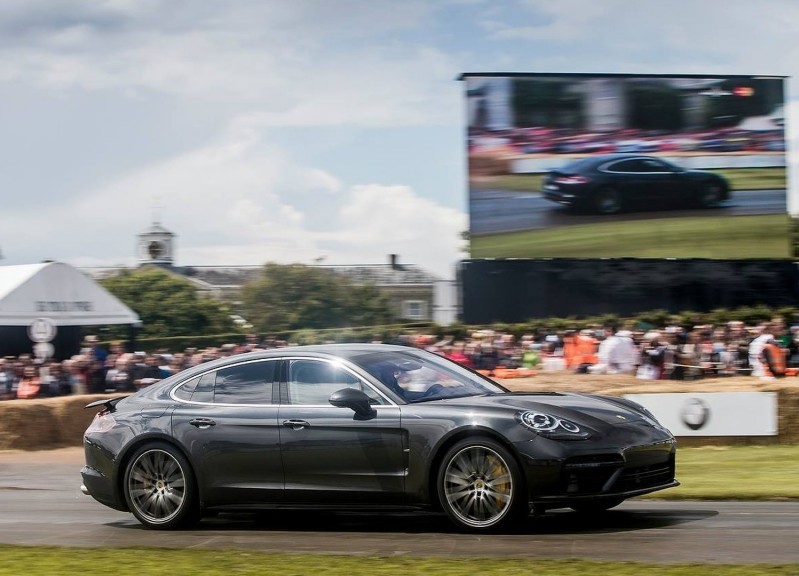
(28, 425)
(45, 423)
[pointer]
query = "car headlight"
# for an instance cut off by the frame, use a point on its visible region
(552, 427)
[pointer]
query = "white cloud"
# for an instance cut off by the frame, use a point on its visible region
(395, 220)
(292, 63)
(696, 36)
(239, 201)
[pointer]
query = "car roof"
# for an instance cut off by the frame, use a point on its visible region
(619, 156)
(346, 351)
(599, 159)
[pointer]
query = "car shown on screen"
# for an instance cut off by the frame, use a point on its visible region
(611, 183)
(349, 426)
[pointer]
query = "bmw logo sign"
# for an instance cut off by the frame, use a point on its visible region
(695, 413)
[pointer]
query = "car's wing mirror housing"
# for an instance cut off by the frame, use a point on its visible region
(355, 400)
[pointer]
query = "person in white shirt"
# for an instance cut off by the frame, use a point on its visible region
(756, 347)
(617, 353)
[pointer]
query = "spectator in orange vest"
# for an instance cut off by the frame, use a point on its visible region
(30, 385)
(773, 359)
(587, 348)
(570, 349)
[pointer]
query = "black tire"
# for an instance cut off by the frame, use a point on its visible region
(160, 489)
(711, 195)
(596, 506)
(480, 486)
(608, 201)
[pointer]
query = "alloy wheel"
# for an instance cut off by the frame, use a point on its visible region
(478, 487)
(711, 196)
(157, 486)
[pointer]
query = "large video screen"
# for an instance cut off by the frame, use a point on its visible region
(609, 166)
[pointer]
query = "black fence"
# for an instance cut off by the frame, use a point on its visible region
(517, 290)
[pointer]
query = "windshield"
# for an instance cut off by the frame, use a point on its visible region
(421, 377)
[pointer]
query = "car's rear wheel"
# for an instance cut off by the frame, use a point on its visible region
(608, 201)
(711, 195)
(159, 487)
(480, 485)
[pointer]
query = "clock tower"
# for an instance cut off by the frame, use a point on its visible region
(155, 246)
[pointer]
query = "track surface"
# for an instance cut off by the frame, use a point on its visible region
(41, 504)
(493, 211)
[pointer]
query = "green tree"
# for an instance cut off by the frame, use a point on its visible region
(296, 296)
(168, 305)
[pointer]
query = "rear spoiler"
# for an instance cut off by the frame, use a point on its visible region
(109, 403)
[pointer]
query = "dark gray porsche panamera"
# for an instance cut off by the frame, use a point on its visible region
(612, 183)
(366, 425)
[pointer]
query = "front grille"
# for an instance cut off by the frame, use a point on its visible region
(645, 476)
(607, 474)
(589, 474)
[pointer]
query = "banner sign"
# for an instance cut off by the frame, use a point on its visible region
(713, 413)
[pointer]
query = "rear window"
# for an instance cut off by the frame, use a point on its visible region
(248, 383)
(577, 165)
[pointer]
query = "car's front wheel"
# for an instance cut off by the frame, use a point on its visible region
(480, 486)
(159, 487)
(608, 201)
(711, 195)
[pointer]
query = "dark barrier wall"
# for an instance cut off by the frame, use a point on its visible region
(14, 341)
(518, 290)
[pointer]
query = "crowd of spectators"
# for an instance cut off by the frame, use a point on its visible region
(97, 369)
(539, 140)
(669, 352)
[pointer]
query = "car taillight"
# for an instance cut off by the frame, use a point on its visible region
(572, 180)
(103, 422)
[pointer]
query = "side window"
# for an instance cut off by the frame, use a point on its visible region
(204, 391)
(311, 382)
(625, 166)
(249, 383)
(185, 390)
(649, 165)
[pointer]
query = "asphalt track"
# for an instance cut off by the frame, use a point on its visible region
(493, 211)
(41, 504)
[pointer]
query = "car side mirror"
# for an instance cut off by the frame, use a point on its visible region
(355, 400)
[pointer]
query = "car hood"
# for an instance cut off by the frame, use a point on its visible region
(579, 408)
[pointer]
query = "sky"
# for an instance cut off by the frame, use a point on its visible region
(302, 131)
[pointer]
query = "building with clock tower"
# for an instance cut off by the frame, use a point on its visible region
(155, 246)
(415, 295)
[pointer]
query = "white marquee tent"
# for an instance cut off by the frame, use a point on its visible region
(59, 293)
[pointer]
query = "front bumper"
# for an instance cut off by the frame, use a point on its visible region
(559, 474)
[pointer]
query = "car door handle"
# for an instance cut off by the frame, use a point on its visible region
(296, 424)
(202, 422)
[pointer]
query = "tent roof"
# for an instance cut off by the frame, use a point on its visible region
(60, 293)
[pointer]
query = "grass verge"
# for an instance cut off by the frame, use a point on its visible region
(736, 473)
(732, 237)
(46, 561)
